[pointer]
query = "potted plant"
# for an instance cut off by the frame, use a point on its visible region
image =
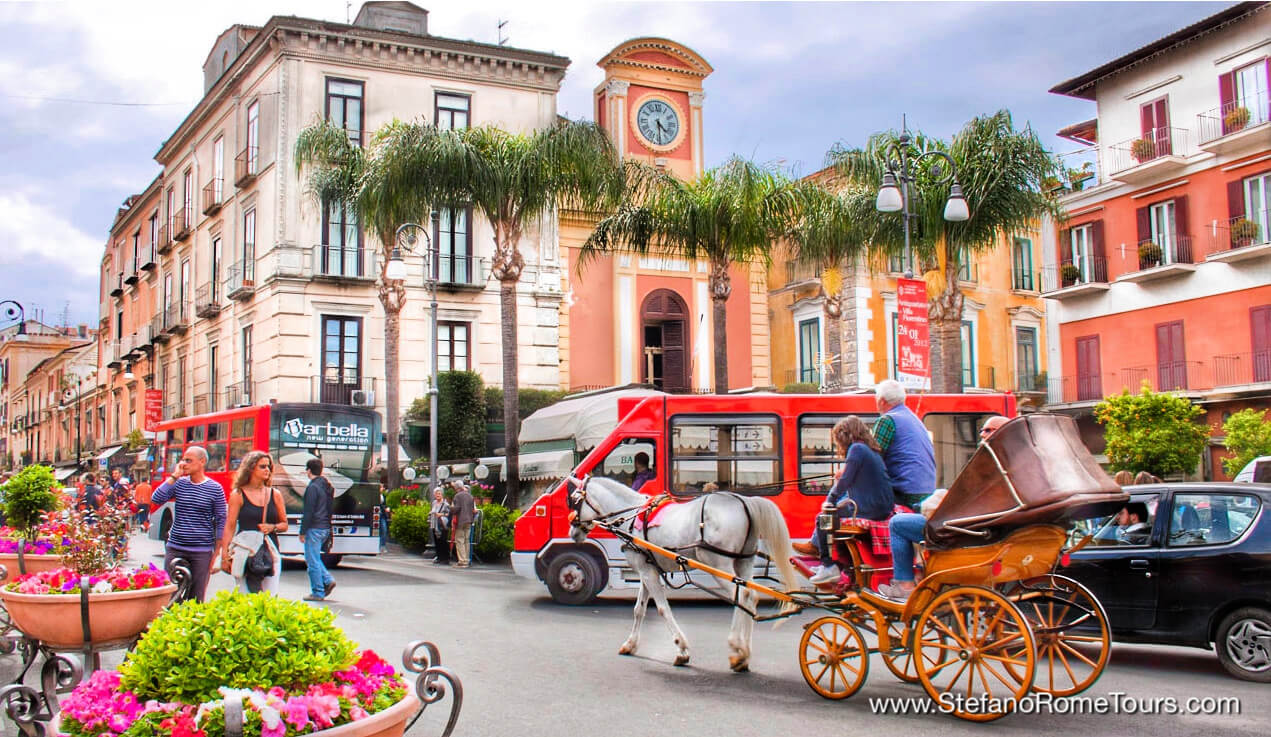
(1243, 232)
(1143, 149)
(1051, 184)
(1070, 273)
(1235, 119)
(1078, 177)
(1149, 254)
(279, 668)
(29, 497)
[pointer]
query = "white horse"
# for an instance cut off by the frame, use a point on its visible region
(720, 530)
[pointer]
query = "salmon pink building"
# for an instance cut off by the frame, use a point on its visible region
(1161, 273)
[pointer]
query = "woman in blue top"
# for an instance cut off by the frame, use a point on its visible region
(862, 489)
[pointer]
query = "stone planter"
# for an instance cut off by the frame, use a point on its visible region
(33, 563)
(55, 620)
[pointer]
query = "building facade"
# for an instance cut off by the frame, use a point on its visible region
(1161, 273)
(647, 319)
(26, 403)
(258, 293)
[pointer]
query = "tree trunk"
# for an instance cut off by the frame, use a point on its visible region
(848, 366)
(720, 288)
(511, 392)
(393, 297)
(944, 316)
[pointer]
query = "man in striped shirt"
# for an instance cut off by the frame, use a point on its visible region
(199, 518)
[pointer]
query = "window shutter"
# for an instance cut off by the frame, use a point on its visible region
(1100, 270)
(1182, 231)
(470, 263)
(1065, 246)
(1143, 218)
(1227, 91)
(1146, 119)
(674, 377)
(1236, 199)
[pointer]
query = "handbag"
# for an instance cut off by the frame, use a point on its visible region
(261, 562)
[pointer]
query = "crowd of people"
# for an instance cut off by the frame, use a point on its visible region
(450, 521)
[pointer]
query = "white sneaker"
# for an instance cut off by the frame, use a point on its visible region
(825, 574)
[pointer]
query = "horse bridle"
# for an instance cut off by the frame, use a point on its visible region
(578, 498)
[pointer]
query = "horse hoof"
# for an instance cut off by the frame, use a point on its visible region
(627, 649)
(739, 665)
(681, 660)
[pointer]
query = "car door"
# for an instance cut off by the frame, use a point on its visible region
(1123, 570)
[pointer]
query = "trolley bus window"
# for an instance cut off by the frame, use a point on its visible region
(237, 451)
(740, 454)
(955, 438)
(218, 432)
(215, 457)
(818, 459)
(244, 428)
(619, 465)
(196, 434)
(173, 458)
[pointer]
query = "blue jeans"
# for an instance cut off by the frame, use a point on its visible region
(319, 577)
(906, 529)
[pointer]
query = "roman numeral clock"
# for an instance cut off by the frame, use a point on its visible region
(659, 123)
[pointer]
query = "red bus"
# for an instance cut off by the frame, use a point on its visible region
(345, 438)
(777, 445)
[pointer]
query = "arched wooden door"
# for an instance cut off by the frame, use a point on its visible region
(664, 321)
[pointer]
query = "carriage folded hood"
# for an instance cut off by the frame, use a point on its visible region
(1033, 470)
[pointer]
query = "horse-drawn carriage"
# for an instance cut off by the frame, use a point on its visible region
(990, 621)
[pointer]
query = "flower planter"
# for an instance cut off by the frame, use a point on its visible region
(113, 617)
(34, 563)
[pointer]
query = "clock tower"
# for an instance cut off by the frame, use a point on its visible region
(651, 103)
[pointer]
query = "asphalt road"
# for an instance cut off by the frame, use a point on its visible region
(531, 667)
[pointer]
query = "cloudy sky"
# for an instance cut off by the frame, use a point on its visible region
(89, 89)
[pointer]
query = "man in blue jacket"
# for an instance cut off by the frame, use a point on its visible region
(315, 526)
(907, 450)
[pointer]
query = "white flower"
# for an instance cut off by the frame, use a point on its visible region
(269, 717)
(102, 587)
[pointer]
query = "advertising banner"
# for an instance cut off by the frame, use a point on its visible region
(913, 346)
(154, 408)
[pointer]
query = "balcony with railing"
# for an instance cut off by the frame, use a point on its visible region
(1025, 280)
(240, 279)
(165, 241)
(150, 334)
(158, 328)
(181, 225)
(1238, 126)
(979, 376)
(1242, 369)
(133, 274)
(460, 272)
(1030, 383)
(238, 395)
(207, 300)
(1167, 255)
(344, 264)
(1241, 238)
(117, 286)
(1069, 279)
(1159, 153)
(149, 257)
(176, 319)
(1166, 376)
(213, 196)
(246, 165)
(133, 346)
(358, 391)
(114, 355)
(1073, 389)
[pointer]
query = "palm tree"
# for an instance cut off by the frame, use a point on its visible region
(728, 215)
(1001, 171)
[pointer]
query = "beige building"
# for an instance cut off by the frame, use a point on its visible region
(263, 294)
(42, 371)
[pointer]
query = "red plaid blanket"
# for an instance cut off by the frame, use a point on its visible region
(879, 531)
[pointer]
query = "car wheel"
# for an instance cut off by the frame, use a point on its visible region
(331, 560)
(573, 578)
(1243, 644)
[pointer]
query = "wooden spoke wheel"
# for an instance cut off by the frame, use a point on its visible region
(833, 657)
(1071, 629)
(974, 652)
(900, 660)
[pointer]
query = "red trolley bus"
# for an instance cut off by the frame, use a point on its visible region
(773, 444)
(345, 438)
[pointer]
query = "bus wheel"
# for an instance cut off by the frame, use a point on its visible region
(331, 560)
(573, 578)
(165, 526)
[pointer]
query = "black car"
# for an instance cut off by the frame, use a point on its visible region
(1195, 572)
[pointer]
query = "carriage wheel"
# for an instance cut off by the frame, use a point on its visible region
(975, 653)
(900, 661)
(833, 657)
(1073, 638)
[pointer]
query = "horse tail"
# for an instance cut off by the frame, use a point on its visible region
(771, 527)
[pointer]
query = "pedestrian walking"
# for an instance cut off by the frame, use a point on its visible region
(462, 512)
(92, 498)
(141, 497)
(315, 526)
(439, 525)
(198, 520)
(257, 513)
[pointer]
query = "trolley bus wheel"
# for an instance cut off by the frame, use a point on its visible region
(1071, 630)
(833, 657)
(973, 644)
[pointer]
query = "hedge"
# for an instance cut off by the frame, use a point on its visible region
(531, 400)
(409, 526)
(496, 531)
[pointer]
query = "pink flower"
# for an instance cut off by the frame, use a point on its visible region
(296, 712)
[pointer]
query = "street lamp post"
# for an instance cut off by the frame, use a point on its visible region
(13, 310)
(902, 161)
(406, 240)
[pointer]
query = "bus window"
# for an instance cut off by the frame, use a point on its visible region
(218, 431)
(818, 459)
(619, 465)
(955, 437)
(740, 454)
(173, 458)
(237, 451)
(216, 457)
(196, 434)
(176, 436)
(244, 428)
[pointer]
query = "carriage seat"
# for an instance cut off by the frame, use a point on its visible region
(878, 532)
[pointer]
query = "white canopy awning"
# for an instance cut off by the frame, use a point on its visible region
(549, 464)
(61, 474)
(587, 420)
(107, 453)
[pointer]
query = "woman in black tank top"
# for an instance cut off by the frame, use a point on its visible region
(254, 506)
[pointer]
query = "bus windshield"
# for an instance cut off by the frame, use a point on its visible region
(343, 438)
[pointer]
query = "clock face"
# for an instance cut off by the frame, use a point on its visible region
(659, 122)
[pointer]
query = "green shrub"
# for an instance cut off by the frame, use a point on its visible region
(28, 497)
(1153, 432)
(408, 494)
(531, 400)
(496, 531)
(409, 526)
(460, 415)
(1248, 436)
(235, 640)
(801, 387)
